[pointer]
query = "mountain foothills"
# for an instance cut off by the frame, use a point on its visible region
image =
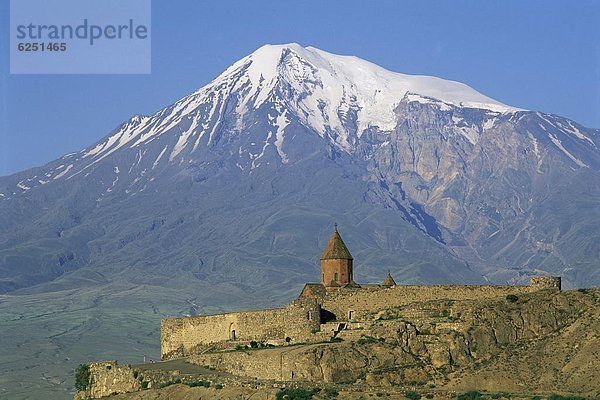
(223, 200)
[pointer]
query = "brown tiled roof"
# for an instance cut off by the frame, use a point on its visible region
(389, 281)
(336, 249)
(316, 289)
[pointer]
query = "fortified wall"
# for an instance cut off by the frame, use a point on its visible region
(361, 303)
(184, 336)
(322, 308)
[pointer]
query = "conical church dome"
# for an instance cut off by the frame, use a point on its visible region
(336, 249)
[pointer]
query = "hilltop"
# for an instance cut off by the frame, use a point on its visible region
(534, 344)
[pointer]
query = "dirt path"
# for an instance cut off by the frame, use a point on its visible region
(182, 366)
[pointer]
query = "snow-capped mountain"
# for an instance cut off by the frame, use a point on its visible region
(338, 97)
(426, 177)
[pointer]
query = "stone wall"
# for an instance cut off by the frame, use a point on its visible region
(361, 304)
(546, 282)
(312, 363)
(260, 364)
(185, 336)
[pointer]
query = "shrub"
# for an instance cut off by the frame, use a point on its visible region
(254, 344)
(412, 395)
(336, 340)
(218, 386)
(205, 384)
(295, 394)
(496, 395)
(472, 395)
(559, 397)
(135, 374)
(168, 383)
(429, 396)
(144, 384)
(82, 377)
(330, 393)
(364, 339)
(239, 347)
(512, 298)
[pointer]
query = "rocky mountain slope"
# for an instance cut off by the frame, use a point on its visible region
(232, 191)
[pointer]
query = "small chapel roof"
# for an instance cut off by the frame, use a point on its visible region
(336, 248)
(313, 290)
(389, 281)
(352, 285)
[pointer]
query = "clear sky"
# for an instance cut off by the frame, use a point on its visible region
(538, 55)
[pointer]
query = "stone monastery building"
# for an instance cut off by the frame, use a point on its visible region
(322, 310)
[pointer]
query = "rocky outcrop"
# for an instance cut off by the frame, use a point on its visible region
(443, 337)
(108, 378)
(460, 333)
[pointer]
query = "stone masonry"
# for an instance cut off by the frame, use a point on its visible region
(184, 336)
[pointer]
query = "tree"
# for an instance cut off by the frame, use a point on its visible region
(82, 377)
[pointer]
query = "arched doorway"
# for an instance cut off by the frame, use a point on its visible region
(232, 333)
(327, 316)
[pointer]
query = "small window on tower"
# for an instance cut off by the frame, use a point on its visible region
(309, 316)
(335, 276)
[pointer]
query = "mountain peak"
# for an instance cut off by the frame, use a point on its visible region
(338, 86)
(338, 97)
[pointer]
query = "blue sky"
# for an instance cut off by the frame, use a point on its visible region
(539, 55)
